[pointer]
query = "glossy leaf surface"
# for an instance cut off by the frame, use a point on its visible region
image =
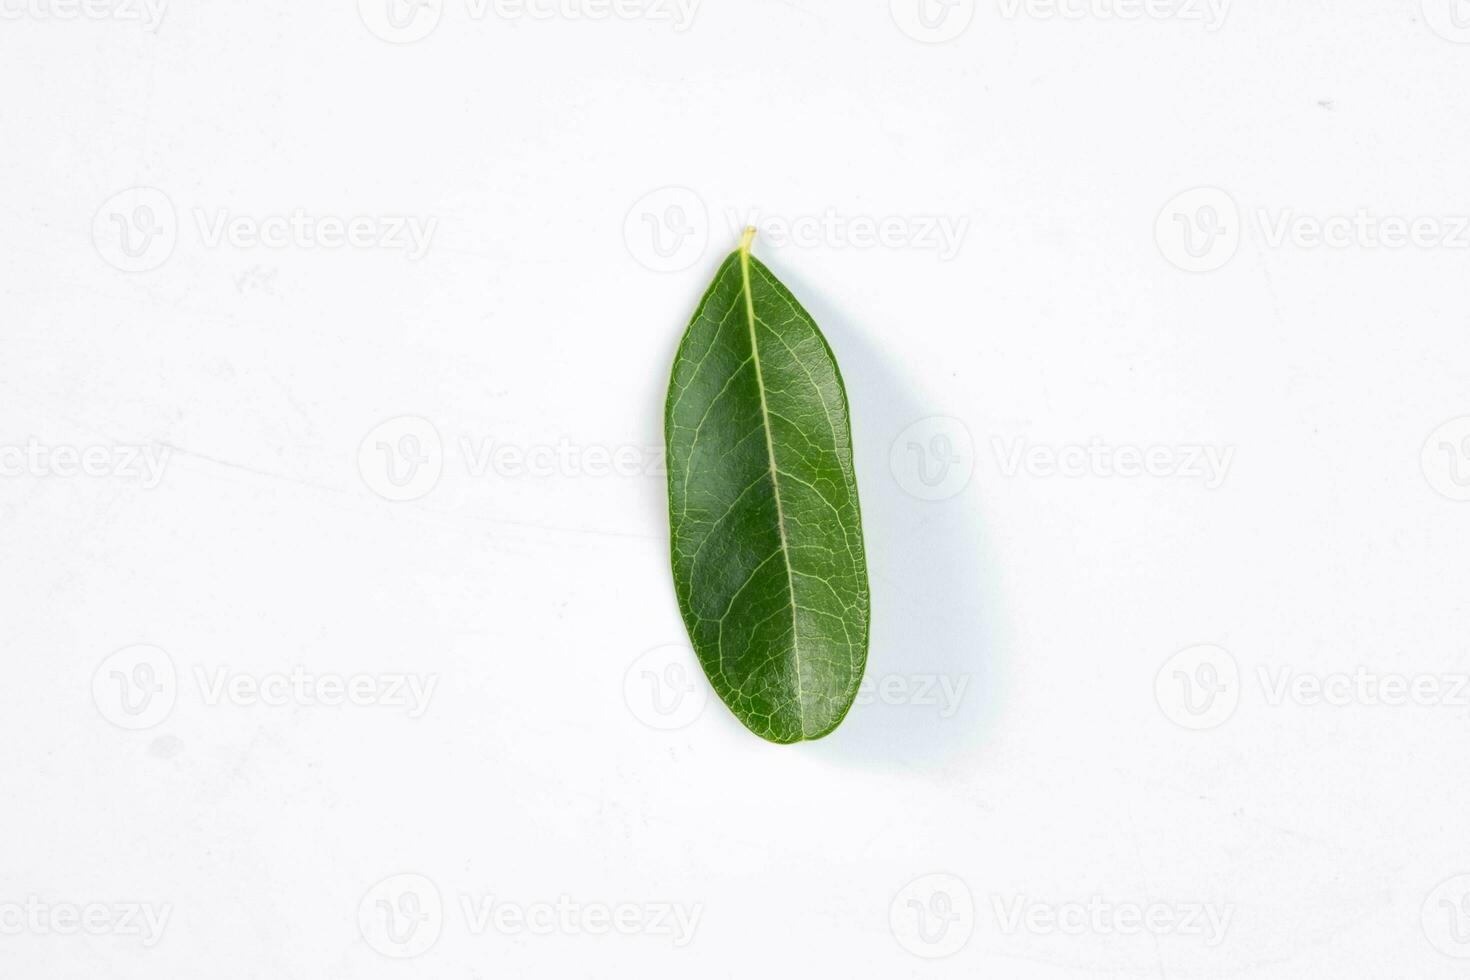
(763, 508)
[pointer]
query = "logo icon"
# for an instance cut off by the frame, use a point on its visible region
(1446, 917)
(136, 230)
(1199, 688)
(932, 21)
(934, 458)
(1445, 459)
(401, 21)
(933, 916)
(401, 916)
(1199, 230)
(665, 688)
(667, 230)
(402, 459)
(136, 687)
(1450, 19)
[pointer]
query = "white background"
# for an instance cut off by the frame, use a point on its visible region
(1084, 761)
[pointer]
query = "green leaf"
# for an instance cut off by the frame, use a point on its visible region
(763, 507)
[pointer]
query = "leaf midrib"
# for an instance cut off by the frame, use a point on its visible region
(760, 385)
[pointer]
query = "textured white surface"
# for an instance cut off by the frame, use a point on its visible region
(522, 307)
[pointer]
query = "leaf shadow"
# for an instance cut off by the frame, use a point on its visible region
(936, 674)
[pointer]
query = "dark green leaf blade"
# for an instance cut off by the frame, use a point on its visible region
(763, 507)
